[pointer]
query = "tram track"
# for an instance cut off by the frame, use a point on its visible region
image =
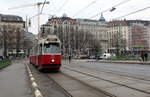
(135, 76)
(145, 78)
(63, 89)
(48, 86)
(123, 75)
(118, 73)
(72, 86)
(90, 75)
(76, 88)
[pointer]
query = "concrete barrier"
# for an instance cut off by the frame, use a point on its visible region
(37, 92)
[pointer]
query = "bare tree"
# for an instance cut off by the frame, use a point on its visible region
(119, 43)
(76, 39)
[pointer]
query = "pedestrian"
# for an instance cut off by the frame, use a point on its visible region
(69, 58)
(142, 56)
(146, 56)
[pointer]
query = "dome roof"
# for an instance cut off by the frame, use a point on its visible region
(64, 15)
(102, 19)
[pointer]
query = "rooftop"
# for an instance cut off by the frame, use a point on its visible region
(102, 19)
(10, 18)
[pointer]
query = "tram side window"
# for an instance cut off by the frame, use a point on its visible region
(52, 49)
(40, 49)
(35, 51)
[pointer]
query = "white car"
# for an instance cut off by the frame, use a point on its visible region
(105, 56)
(1, 54)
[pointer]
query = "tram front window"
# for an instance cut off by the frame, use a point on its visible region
(51, 49)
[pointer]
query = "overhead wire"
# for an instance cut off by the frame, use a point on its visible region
(81, 10)
(133, 12)
(40, 12)
(62, 6)
(34, 16)
(43, 7)
(123, 2)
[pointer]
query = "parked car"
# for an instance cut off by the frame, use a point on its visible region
(1, 54)
(105, 56)
(83, 57)
(92, 57)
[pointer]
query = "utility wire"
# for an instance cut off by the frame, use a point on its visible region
(43, 7)
(123, 2)
(133, 12)
(34, 16)
(62, 6)
(81, 10)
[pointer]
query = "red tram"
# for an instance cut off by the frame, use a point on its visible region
(47, 53)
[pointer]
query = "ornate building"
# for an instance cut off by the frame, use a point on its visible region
(12, 33)
(82, 35)
(64, 27)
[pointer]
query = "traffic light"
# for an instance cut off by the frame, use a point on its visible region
(43, 30)
(29, 23)
(112, 9)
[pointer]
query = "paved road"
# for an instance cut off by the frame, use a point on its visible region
(107, 80)
(136, 70)
(14, 81)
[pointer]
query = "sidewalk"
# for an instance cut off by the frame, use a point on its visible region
(14, 81)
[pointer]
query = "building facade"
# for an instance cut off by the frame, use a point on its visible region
(12, 33)
(134, 32)
(29, 39)
(98, 31)
(117, 32)
(64, 27)
(139, 35)
(78, 35)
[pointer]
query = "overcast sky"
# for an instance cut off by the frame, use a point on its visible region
(73, 9)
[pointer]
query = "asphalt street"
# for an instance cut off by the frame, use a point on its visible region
(135, 70)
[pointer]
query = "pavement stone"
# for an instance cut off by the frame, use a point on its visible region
(142, 86)
(122, 80)
(125, 92)
(67, 83)
(81, 93)
(75, 87)
(87, 79)
(102, 84)
(14, 81)
(119, 91)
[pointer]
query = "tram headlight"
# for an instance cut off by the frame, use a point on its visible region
(53, 60)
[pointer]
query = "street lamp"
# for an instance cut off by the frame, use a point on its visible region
(112, 9)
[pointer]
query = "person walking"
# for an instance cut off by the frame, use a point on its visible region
(69, 58)
(142, 56)
(146, 56)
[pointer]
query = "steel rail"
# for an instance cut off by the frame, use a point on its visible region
(107, 80)
(63, 89)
